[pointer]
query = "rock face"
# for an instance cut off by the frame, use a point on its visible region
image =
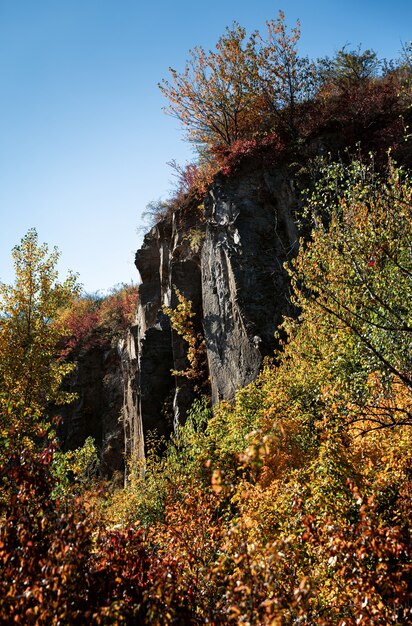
(250, 233)
(97, 413)
(226, 258)
(230, 266)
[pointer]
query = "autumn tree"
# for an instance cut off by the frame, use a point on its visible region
(213, 95)
(283, 78)
(239, 90)
(30, 373)
(349, 67)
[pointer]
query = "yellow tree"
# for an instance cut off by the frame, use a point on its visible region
(30, 372)
(354, 281)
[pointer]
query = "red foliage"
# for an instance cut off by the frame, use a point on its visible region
(54, 571)
(187, 178)
(231, 157)
(187, 545)
(372, 560)
(82, 327)
(44, 549)
(92, 322)
(368, 112)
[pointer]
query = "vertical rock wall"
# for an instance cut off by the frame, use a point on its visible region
(97, 412)
(228, 262)
(230, 266)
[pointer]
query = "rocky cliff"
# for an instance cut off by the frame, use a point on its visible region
(229, 264)
(224, 254)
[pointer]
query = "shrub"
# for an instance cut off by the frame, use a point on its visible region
(93, 321)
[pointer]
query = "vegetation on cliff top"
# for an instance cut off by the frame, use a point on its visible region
(93, 321)
(255, 97)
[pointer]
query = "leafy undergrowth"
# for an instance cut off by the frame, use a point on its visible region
(277, 535)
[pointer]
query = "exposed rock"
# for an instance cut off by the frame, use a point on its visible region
(165, 262)
(231, 269)
(98, 382)
(229, 264)
(250, 233)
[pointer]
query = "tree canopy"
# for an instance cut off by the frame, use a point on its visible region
(239, 89)
(355, 278)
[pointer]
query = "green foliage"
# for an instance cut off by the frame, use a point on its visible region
(349, 67)
(355, 276)
(169, 467)
(229, 432)
(181, 319)
(30, 370)
(75, 469)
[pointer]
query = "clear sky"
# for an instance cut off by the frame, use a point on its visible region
(84, 143)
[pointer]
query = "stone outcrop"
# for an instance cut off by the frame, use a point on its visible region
(227, 258)
(250, 233)
(229, 265)
(97, 412)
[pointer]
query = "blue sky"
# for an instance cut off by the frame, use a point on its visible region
(84, 141)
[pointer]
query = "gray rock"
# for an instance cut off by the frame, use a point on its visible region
(237, 285)
(97, 412)
(250, 233)
(229, 264)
